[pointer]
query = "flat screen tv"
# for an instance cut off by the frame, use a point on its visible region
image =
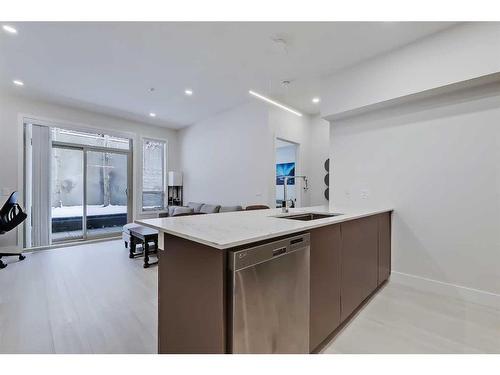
(285, 169)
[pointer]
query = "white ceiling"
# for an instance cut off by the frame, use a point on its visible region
(109, 67)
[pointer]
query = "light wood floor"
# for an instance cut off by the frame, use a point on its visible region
(82, 299)
(94, 299)
(401, 319)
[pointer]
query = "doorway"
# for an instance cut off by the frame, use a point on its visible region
(89, 192)
(286, 156)
(83, 191)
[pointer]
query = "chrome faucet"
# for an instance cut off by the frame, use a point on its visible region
(286, 178)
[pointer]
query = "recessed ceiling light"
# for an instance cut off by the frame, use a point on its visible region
(316, 100)
(18, 82)
(9, 29)
(270, 101)
(188, 92)
(152, 114)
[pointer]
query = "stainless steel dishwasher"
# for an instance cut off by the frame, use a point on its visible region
(270, 297)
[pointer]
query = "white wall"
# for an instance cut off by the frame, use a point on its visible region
(285, 154)
(230, 158)
(11, 109)
(434, 159)
(223, 158)
(460, 53)
(438, 166)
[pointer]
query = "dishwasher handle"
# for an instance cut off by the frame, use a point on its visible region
(254, 255)
(279, 251)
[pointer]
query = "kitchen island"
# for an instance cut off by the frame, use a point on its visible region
(348, 258)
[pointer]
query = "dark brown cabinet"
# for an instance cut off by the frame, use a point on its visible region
(384, 247)
(191, 298)
(359, 262)
(325, 283)
(348, 262)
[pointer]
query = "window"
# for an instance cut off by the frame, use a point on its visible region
(153, 174)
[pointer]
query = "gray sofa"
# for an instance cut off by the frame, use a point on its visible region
(196, 208)
(192, 208)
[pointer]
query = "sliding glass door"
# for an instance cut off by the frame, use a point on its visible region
(106, 192)
(76, 183)
(90, 186)
(67, 190)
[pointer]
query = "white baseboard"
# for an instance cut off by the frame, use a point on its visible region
(477, 296)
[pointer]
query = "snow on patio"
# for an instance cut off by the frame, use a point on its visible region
(92, 210)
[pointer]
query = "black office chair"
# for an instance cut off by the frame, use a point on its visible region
(11, 215)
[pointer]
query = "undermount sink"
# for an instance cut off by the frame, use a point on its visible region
(307, 216)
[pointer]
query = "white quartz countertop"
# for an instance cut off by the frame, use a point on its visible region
(230, 229)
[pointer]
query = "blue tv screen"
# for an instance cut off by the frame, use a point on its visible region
(285, 169)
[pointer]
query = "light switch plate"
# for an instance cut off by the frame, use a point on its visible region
(364, 193)
(6, 191)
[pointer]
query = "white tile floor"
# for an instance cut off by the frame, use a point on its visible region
(94, 299)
